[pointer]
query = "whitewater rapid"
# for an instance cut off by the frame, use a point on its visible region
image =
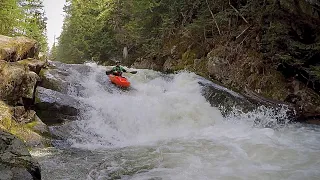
(163, 128)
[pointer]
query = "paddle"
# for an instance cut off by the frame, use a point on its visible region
(132, 72)
(108, 72)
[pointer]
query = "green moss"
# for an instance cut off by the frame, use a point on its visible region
(21, 45)
(31, 127)
(42, 73)
(315, 70)
(22, 131)
(188, 57)
(31, 124)
(200, 67)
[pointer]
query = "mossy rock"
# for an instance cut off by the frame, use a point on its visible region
(33, 64)
(17, 82)
(18, 48)
(26, 132)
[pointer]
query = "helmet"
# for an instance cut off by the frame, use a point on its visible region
(118, 62)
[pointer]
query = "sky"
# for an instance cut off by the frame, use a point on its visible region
(54, 13)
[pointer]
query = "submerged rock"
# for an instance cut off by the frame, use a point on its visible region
(54, 107)
(15, 160)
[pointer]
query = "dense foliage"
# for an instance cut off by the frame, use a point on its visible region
(100, 29)
(23, 17)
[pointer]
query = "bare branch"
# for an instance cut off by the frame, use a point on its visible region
(214, 19)
(242, 32)
(238, 12)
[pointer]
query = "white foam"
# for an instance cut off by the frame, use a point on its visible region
(156, 109)
(169, 131)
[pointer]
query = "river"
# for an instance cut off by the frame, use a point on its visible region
(163, 128)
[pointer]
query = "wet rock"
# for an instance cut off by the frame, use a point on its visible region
(214, 65)
(15, 160)
(228, 101)
(54, 107)
(225, 99)
(59, 77)
(39, 127)
(54, 79)
(17, 48)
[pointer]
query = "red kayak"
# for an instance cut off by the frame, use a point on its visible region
(120, 81)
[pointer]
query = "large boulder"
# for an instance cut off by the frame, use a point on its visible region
(17, 48)
(228, 101)
(61, 77)
(17, 83)
(15, 160)
(54, 107)
(54, 79)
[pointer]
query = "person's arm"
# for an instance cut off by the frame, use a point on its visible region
(123, 69)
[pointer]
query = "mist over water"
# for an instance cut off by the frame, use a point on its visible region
(163, 128)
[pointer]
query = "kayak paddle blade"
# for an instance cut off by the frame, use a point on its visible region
(133, 72)
(108, 72)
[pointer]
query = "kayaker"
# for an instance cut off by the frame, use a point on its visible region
(118, 69)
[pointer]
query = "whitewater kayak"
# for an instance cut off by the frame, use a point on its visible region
(119, 81)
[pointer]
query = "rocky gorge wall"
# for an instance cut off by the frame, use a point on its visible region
(20, 127)
(270, 49)
(34, 94)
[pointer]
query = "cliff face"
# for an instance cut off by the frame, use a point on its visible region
(271, 48)
(19, 69)
(19, 124)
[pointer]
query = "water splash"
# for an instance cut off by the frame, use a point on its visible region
(165, 129)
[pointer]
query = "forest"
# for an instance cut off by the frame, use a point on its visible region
(24, 18)
(271, 47)
(99, 29)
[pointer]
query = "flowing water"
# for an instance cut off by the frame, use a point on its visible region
(163, 128)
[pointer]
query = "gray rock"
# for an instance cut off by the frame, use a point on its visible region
(40, 127)
(54, 107)
(15, 160)
(226, 101)
(59, 77)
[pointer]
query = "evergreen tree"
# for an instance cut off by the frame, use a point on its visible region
(24, 17)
